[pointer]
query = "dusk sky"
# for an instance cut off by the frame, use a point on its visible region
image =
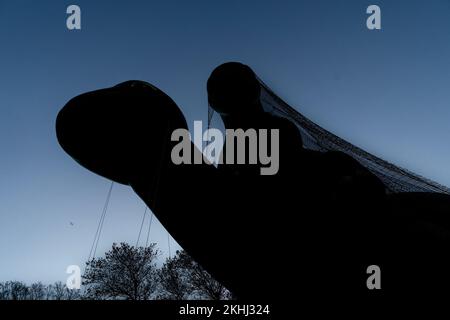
(386, 91)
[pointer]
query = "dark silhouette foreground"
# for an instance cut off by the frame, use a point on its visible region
(335, 214)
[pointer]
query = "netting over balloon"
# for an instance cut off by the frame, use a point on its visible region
(317, 138)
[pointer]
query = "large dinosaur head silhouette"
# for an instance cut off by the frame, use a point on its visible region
(119, 131)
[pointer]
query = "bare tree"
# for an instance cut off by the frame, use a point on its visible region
(129, 273)
(48, 292)
(125, 272)
(72, 294)
(182, 278)
(15, 290)
(173, 279)
(202, 282)
(4, 290)
(37, 291)
(18, 290)
(59, 290)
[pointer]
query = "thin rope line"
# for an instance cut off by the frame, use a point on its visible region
(168, 243)
(142, 223)
(104, 216)
(149, 227)
(100, 224)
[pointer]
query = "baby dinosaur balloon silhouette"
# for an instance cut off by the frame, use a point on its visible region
(325, 209)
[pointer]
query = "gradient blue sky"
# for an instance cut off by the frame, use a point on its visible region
(386, 91)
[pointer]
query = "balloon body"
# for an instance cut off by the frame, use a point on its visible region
(260, 235)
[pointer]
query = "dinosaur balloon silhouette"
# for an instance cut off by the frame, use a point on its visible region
(317, 224)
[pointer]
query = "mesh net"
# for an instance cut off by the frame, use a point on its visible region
(316, 138)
